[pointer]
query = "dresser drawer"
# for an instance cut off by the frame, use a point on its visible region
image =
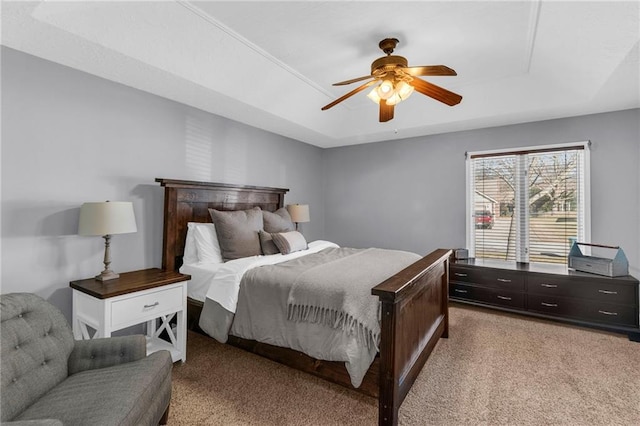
(503, 279)
(488, 277)
(600, 312)
(605, 290)
(612, 314)
(145, 306)
(492, 296)
(554, 305)
(467, 275)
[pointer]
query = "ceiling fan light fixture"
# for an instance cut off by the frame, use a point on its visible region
(394, 99)
(398, 93)
(385, 89)
(404, 90)
(373, 95)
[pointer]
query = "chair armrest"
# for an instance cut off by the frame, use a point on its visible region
(101, 353)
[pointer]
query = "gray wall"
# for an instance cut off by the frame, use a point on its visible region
(410, 194)
(69, 137)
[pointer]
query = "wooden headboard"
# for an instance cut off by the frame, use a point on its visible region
(188, 201)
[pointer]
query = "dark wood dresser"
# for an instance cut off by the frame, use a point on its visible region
(549, 291)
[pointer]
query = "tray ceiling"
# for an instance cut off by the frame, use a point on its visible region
(271, 64)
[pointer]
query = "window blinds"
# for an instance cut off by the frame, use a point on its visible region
(528, 205)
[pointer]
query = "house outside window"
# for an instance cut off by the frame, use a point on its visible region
(528, 205)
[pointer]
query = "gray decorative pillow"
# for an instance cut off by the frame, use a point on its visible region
(237, 232)
(288, 242)
(278, 221)
(267, 244)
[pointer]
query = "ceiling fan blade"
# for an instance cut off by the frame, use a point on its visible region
(386, 111)
(351, 93)
(429, 70)
(435, 92)
(343, 83)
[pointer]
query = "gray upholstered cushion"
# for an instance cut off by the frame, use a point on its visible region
(36, 343)
(278, 221)
(101, 353)
(288, 242)
(118, 395)
(238, 232)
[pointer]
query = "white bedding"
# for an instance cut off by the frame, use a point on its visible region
(201, 276)
(223, 280)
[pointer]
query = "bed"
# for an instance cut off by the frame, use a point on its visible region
(414, 302)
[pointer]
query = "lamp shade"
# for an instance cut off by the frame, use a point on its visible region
(299, 212)
(107, 218)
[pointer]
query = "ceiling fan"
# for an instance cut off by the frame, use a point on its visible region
(396, 81)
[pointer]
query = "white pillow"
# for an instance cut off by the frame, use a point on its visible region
(207, 244)
(190, 252)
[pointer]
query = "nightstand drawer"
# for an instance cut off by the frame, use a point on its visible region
(146, 306)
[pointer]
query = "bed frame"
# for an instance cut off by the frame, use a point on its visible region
(414, 301)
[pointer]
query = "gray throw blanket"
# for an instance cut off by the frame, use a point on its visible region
(337, 294)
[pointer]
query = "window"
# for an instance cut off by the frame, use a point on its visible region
(528, 205)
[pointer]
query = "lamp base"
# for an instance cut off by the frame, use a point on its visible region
(107, 275)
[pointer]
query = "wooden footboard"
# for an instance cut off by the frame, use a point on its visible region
(415, 315)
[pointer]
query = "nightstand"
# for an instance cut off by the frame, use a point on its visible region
(150, 296)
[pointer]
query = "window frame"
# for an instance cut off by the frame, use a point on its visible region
(469, 205)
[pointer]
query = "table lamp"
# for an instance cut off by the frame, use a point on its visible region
(299, 213)
(106, 219)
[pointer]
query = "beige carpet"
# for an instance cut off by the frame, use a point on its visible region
(495, 369)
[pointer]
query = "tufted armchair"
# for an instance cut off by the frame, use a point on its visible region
(47, 378)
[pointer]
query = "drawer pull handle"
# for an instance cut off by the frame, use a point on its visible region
(549, 285)
(504, 297)
(502, 280)
(460, 291)
(458, 274)
(550, 305)
(607, 292)
(151, 306)
(609, 313)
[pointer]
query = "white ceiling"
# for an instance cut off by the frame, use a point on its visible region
(271, 64)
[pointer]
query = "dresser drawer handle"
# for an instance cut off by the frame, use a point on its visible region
(608, 313)
(457, 290)
(151, 306)
(550, 305)
(549, 285)
(607, 292)
(502, 280)
(504, 297)
(458, 274)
